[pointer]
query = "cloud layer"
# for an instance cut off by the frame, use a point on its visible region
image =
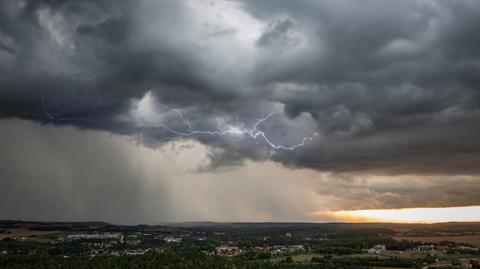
(391, 87)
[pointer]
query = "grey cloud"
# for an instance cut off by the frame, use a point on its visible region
(277, 34)
(7, 49)
(391, 86)
(353, 192)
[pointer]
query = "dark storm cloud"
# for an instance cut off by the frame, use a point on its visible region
(391, 86)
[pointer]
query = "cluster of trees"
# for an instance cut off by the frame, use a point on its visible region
(368, 262)
(183, 260)
(170, 260)
(346, 246)
(253, 255)
(373, 262)
(189, 260)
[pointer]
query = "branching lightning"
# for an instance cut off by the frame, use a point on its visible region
(254, 132)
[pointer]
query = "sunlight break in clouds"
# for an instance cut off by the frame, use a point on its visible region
(420, 215)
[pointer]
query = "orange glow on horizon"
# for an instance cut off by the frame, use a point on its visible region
(407, 215)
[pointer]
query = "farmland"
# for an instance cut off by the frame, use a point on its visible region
(469, 239)
(23, 233)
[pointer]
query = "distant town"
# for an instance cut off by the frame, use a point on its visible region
(242, 245)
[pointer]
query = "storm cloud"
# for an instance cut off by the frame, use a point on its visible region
(391, 87)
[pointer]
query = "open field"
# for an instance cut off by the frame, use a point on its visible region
(470, 239)
(390, 268)
(24, 232)
(305, 257)
(308, 256)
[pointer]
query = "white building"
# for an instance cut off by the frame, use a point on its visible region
(172, 239)
(96, 236)
(377, 249)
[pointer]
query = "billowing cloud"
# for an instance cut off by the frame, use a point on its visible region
(389, 86)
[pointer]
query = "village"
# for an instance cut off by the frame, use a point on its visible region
(284, 245)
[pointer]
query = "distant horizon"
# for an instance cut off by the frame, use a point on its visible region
(235, 222)
(442, 215)
(304, 111)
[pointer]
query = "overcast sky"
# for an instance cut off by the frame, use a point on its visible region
(105, 105)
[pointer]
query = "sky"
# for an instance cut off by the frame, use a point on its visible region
(239, 110)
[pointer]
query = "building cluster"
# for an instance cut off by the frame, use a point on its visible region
(231, 250)
(376, 249)
(466, 249)
(425, 249)
(283, 249)
(124, 252)
(170, 239)
(227, 250)
(438, 249)
(90, 236)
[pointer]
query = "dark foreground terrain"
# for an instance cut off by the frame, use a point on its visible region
(239, 245)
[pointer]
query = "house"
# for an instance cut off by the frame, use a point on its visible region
(279, 249)
(424, 248)
(377, 249)
(466, 249)
(172, 239)
(226, 250)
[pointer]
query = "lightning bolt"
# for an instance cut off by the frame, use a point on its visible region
(253, 133)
